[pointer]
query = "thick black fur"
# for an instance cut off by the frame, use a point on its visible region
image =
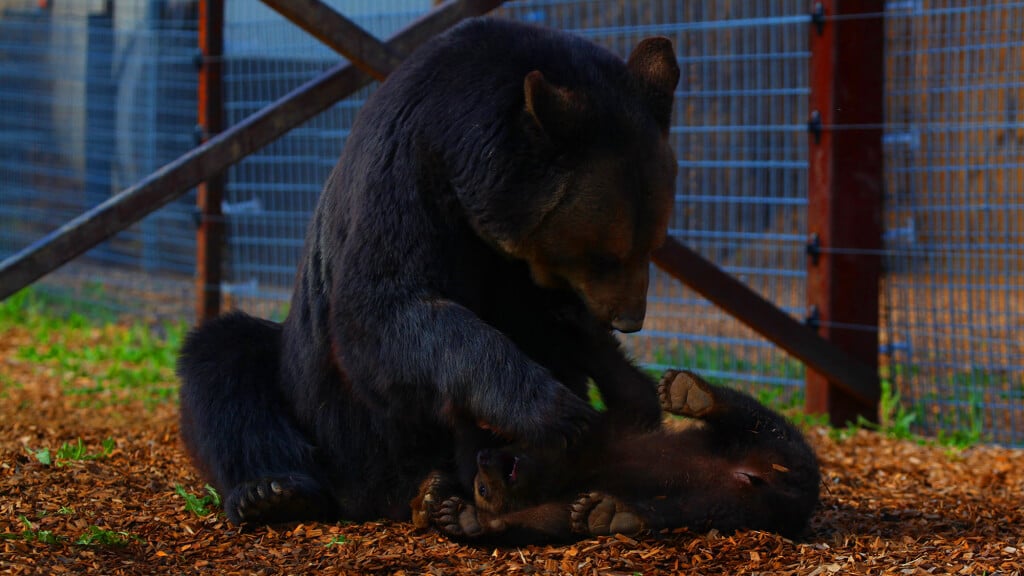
(412, 324)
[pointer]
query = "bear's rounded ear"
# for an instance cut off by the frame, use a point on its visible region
(654, 64)
(556, 110)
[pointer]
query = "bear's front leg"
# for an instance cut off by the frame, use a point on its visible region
(437, 351)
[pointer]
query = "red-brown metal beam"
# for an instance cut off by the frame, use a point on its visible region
(735, 298)
(847, 71)
(210, 194)
(212, 157)
(341, 34)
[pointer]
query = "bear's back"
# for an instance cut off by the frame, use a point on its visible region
(473, 74)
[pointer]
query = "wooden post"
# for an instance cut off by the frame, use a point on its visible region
(847, 42)
(210, 193)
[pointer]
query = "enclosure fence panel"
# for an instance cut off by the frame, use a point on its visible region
(954, 293)
(93, 99)
(270, 196)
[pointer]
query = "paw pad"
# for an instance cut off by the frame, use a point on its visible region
(685, 394)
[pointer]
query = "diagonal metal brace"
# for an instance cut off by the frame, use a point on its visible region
(341, 34)
(763, 317)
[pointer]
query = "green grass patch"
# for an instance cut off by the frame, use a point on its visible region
(102, 362)
(72, 452)
(336, 541)
(199, 505)
(896, 421)
(96, 536)
(32, 534)
(57, 307)
(93, 536)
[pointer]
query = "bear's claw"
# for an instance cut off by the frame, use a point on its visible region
(456, 517)
(275, 500)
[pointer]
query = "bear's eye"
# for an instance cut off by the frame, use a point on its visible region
(481, 489)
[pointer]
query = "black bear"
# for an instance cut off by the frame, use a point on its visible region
(744, 467)
(488, 224)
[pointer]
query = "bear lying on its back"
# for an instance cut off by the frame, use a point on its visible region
(489, 222)
(744, 467)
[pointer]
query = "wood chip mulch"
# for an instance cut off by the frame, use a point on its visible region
(888, 507)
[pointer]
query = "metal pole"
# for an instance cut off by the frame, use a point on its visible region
(210, 193)
(847, 71)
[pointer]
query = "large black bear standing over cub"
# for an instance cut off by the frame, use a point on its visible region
(490, 220)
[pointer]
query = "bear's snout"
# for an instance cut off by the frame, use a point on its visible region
(629, 322)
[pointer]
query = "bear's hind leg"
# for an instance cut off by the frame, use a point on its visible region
(237, 428)
(732, 413)
(685, 394)
(600, 514)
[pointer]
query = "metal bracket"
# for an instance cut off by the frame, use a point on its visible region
(199, 134)
(813, 248)
(818, 17)
(814, 126)
(199, 217)
(813, 318)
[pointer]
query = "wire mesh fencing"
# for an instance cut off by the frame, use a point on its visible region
(954, 304)
(93, 99)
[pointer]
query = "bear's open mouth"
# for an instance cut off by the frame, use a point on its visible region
(510, 467)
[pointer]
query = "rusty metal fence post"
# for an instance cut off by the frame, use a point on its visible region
(847, 40)
(210, 193)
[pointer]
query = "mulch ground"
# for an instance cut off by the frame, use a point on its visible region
(888, 507)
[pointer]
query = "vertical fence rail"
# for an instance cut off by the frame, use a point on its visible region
(210, 193)
(845, 192)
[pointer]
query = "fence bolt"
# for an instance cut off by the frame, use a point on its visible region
(818, 17)
(199, 134)
(814, 126)
(813, 318)
(813, 248)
